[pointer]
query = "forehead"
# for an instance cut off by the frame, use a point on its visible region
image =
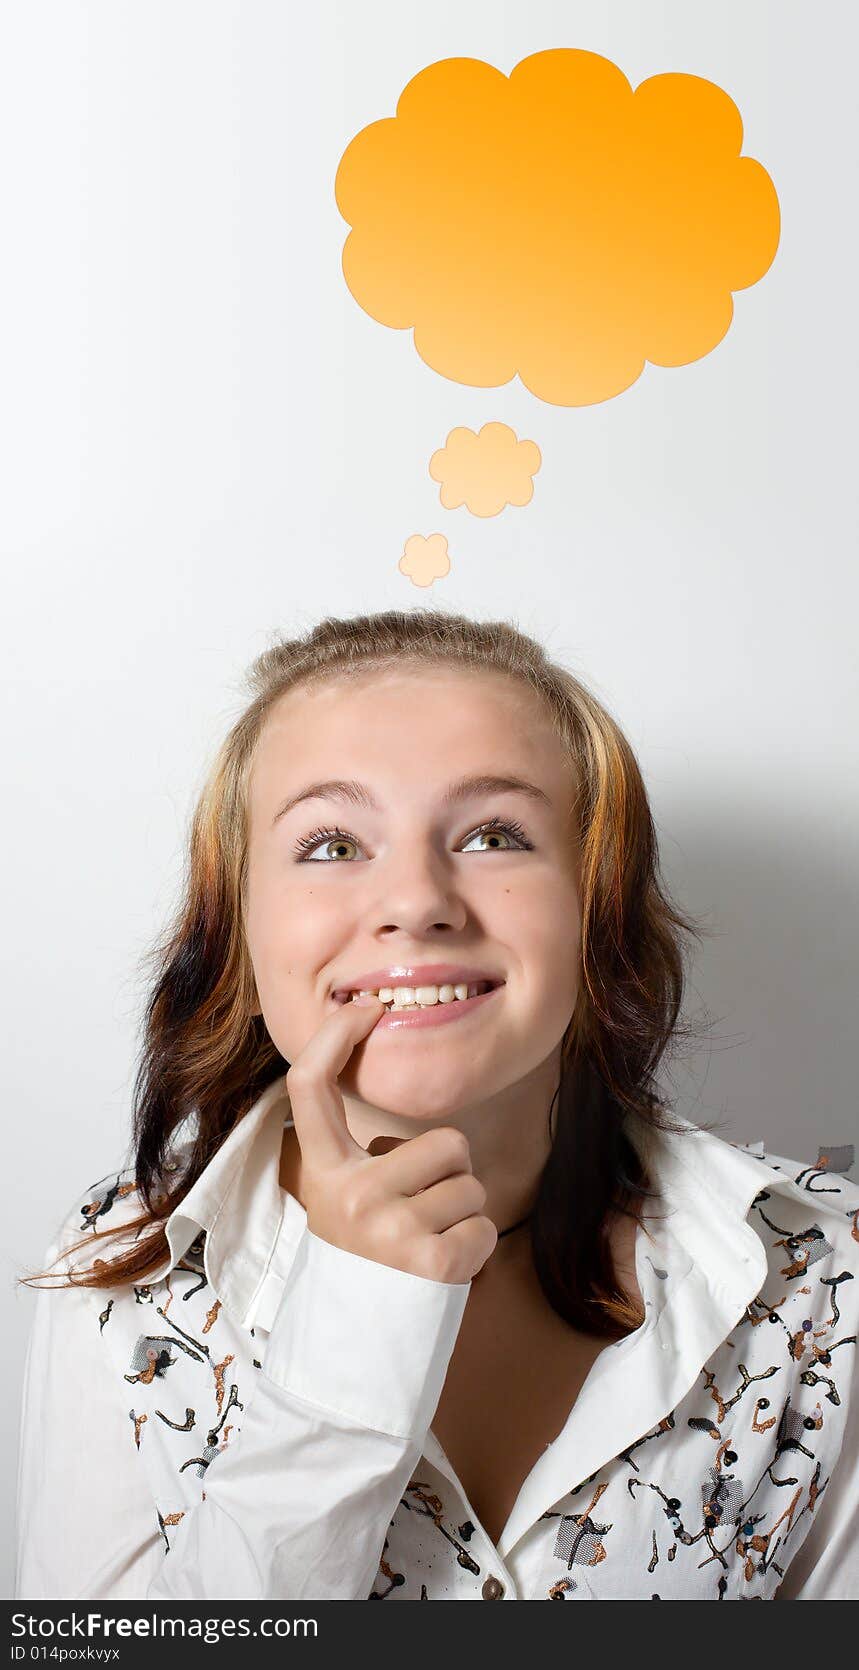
(405, 727)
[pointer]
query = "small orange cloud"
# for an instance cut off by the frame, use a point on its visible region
(425, 559)
(555, 223)
(485, 470)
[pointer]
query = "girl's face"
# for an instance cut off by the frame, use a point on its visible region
(416, 879)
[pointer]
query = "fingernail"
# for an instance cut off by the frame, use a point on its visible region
(364, 998)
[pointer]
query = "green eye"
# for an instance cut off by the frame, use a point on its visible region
(490, 829)
(508, 826)
(316, 840)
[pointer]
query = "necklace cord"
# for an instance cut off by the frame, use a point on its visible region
(509, 1231)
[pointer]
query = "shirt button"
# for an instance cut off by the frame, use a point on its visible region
(492, 1589)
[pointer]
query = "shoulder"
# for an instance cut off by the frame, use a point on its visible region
(833, 1161)
(69, 1314)
(110, 1202)
(104, 1221)
(814, 1198)
(807, 1219)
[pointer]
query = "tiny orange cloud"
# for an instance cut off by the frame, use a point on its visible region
(425, 559)
(555, 223)
(485, 469)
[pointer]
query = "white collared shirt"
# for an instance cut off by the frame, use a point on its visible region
(256, 1421)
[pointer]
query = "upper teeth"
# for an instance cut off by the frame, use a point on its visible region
(404, 997)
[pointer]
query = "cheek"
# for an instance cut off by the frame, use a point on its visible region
(541, 927)
(291, 926)
(543, 1024)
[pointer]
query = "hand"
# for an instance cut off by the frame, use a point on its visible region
(417, 1208)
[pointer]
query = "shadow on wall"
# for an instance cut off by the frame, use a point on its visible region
(778, 893)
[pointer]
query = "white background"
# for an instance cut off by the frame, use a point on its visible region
(205, 441)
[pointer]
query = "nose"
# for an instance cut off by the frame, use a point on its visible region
(417, 893)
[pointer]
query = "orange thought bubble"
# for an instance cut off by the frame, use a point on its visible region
(555, 223)
(485, 471)
(425, 559)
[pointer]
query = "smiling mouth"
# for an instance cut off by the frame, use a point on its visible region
(400, 1018)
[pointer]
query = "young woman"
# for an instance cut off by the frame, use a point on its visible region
(419, 1294)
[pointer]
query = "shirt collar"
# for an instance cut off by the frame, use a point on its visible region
(706, 1187)
(239, 1203)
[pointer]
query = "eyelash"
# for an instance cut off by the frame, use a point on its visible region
(509, 826)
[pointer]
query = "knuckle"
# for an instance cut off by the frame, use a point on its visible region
(489, 1234)
(439, 1262)
(477, 1192)
(395, 1226)
(456, 1145)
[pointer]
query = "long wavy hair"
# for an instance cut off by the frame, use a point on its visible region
(206, 1057)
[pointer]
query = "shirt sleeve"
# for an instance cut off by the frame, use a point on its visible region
(299, 1505)
(826, 1564)
(87, 1526)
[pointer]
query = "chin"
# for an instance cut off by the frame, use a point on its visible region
(416, 1100)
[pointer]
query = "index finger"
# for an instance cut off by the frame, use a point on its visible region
(318, 1110)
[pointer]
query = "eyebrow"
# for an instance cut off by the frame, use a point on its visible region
(465, 788)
